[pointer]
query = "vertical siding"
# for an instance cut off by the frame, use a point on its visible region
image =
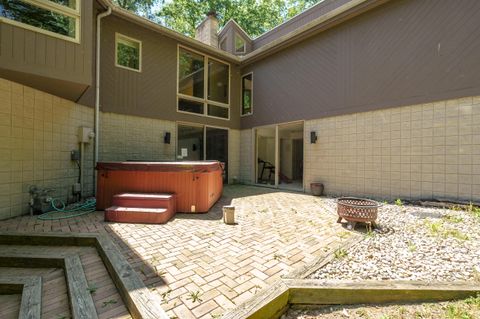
(37, 54)
(401, 53)
(152, 92)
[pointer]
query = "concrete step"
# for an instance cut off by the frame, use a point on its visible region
(143, 215)
(145, 200)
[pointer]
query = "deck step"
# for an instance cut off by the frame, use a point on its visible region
(144, 215)
(145, 200)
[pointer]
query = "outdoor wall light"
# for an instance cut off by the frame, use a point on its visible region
(166, 138)
(313, 137)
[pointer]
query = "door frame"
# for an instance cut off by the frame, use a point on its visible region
(204, 126)
(277, 153)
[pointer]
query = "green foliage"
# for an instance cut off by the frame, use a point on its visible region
(109, 302)
(398, 202)
(38, 17)
(438, 229)
(474, 210)
(340, 253)
(254, 16)
(194, 296)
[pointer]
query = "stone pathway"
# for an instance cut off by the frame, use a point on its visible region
(202, 267)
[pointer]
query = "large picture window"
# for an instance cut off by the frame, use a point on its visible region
(203, 85)
(58, 18)
(128, 53)
(247, 94)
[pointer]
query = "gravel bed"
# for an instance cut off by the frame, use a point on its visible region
(412, 243)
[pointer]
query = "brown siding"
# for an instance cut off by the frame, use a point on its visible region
(401, 53)
(298, 21)
(228, 34)
(152, 92)
(30, 58)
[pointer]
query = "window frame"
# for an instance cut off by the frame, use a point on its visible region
(235, 44)
(54, 7)
(241, 95)
(120, 36)
(204, 100)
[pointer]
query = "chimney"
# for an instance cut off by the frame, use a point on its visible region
(207, 30)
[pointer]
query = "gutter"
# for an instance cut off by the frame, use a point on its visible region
(97, 89)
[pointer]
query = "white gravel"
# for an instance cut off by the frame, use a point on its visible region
(414, 243)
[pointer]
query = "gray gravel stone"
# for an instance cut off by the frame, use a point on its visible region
(412, 243)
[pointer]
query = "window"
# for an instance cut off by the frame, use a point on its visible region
(240, 46)
(58, 18)
(203, 85)
(247, 90)
(128, 53)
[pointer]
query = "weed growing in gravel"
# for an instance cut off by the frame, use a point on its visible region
(398, 202)
(455, 312)
(411, 247)
(340, 253)
(277, 257)
(369, 234)
(438, 229)
(453, 219)
(474, 210)
(344, 234)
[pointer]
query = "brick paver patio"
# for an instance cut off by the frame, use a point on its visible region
(198, 255)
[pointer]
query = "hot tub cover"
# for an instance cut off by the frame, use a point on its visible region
(186, 166)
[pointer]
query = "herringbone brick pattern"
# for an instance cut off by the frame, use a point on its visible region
(202, 267)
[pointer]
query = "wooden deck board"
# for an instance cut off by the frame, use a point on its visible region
(97, 278)
(10, 306)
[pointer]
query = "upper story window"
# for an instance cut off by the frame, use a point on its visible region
(240, 45)
(247, 94)
(128, 53)
(58, 18)
(203, 85)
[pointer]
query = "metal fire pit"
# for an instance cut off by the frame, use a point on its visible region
(355, 210)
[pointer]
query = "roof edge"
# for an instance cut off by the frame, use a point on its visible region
(171, 33)
(350, 9)
(232, 21)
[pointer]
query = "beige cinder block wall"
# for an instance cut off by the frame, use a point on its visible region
(37, 133)
(246, 156)
(420, 151)
(126, 137)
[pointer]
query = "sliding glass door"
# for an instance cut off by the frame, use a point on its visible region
(200, 142)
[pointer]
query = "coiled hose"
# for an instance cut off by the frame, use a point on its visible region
(62, 212)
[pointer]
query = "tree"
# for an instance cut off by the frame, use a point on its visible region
(142, 7)
(255, 16)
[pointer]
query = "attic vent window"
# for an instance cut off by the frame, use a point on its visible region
(240, 46)
(128, 53)
(57, 18)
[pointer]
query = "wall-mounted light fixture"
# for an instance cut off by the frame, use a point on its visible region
(313, 137)
(166, 138)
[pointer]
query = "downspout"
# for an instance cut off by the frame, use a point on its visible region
(97, 91)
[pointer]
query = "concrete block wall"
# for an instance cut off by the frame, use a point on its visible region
(246, 156)
(37, 133)
(233, 155)
(126, 137)
(420, 151)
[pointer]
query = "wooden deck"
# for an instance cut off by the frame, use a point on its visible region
(55, 292)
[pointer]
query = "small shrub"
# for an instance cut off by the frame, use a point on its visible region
(340, 253)
(398, 202)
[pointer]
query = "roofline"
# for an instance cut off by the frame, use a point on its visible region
(287, 21)
(239, 26)
(116, 10)
(330, 19)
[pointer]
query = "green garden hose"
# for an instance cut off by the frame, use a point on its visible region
(63, 212)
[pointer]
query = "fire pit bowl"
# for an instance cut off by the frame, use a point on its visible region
(355, 210)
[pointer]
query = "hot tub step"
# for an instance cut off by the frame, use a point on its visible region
(145, 200)
(138, 215)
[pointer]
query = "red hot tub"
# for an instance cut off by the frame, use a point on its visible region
(197, 185)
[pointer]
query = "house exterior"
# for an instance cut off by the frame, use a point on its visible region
(372, 98)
